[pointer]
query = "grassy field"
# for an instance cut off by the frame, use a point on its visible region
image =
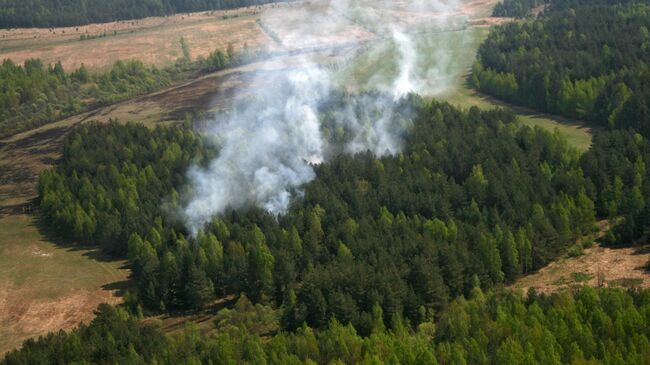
(46, 286)
(578, 134)
(375, 68)
(445, 56)
(155, 40)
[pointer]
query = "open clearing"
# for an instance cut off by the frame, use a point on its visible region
(23, 156)
(45, 286)
(616, 267)
(578, 134)
(595, 266)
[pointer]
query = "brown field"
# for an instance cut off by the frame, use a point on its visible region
(155, 40)
(24, 155)
(45, 286)
(152, 40)
(478, 8)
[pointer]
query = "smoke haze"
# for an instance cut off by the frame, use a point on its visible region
(272, 136)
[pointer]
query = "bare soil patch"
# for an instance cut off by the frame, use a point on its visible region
(155, 40)
(613, 267)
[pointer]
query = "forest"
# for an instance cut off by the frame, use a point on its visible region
(62, 13)
(408, 232)
(582, 59)
(516, 8)
(585, 326)
(34, 94)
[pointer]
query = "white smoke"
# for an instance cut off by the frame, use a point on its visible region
(272, 137)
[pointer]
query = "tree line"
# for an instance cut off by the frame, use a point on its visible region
(516, 8)
(584, 326)
(582, 59)
(33, 94)
(474, 200)
(61, 13)
(619, 182)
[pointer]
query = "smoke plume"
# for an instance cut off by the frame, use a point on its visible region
(272, 135)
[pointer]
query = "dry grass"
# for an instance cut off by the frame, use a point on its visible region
(45, 287)
(155, 40)
(596, 266)
(478, 8)
(151, 40)
(24, 155)
(289, 26)
(615, 265)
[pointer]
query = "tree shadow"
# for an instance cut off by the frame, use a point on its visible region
(529, 112)
(26, 207)
(642, 250)
(119, 287)
(175, 319)
(92, 252)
